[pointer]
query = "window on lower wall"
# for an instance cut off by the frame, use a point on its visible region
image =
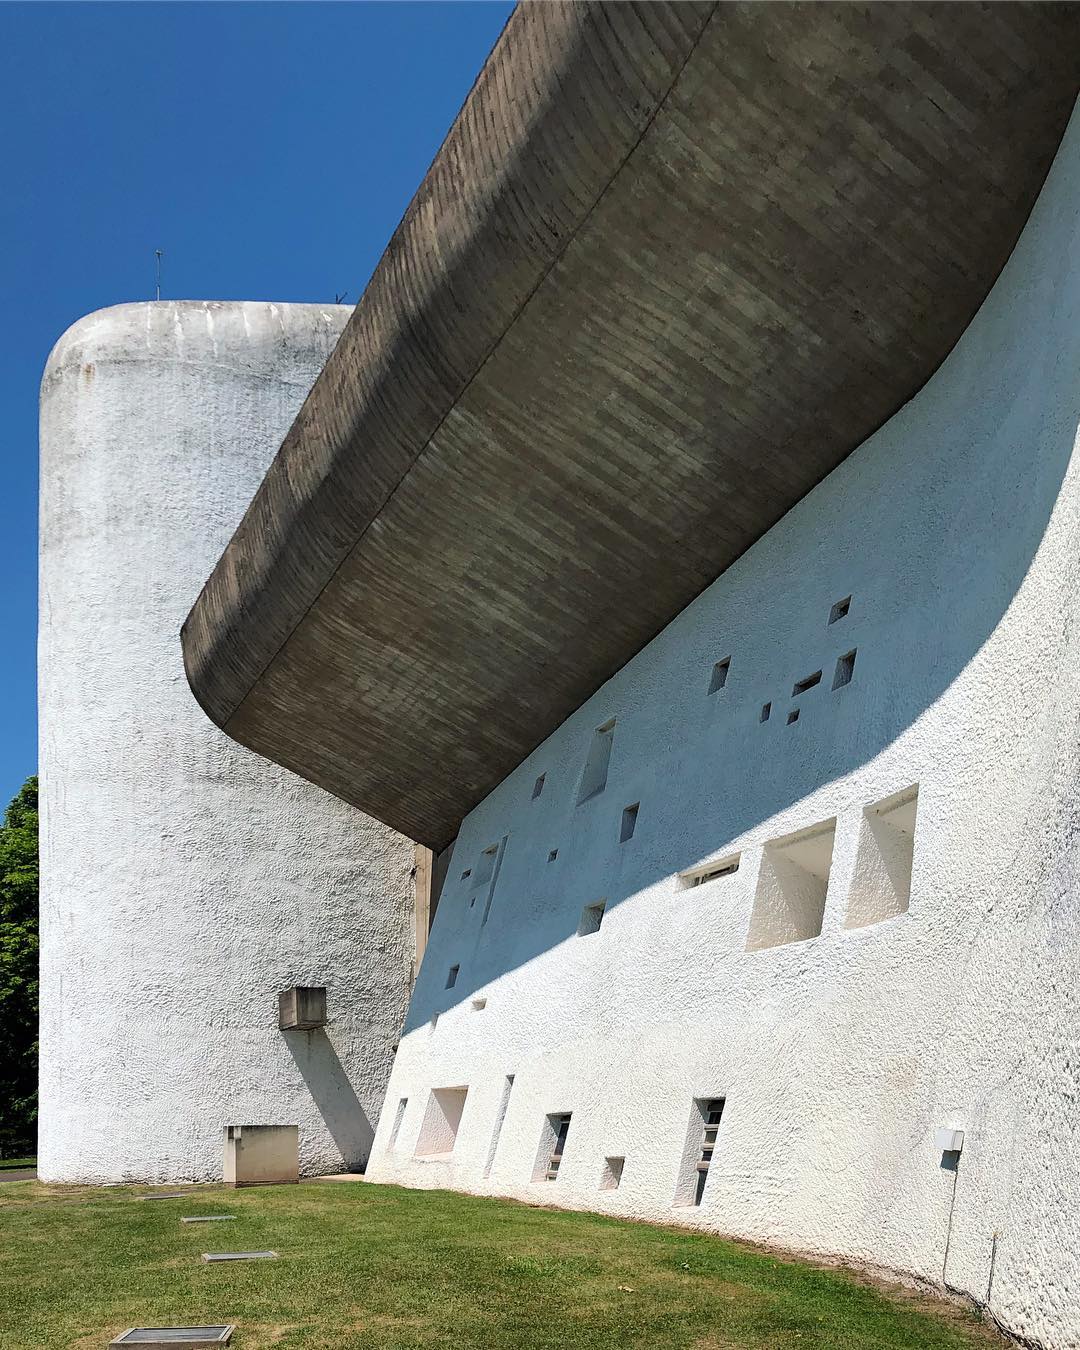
(705, 1116)
(552, 1146)
(611, 1176)
(395, 1129)
(500, 1117)
(881, 886)
(592, 916)
(789, 904)
(438, 1133)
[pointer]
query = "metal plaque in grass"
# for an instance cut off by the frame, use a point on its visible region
(239, 1256)
(207, 1218)
(177, 1338)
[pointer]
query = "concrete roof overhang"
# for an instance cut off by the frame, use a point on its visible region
(672, 263)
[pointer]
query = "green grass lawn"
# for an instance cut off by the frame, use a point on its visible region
(16, 1164)
(382, 1267)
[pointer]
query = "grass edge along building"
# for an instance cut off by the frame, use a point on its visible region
(680, 541)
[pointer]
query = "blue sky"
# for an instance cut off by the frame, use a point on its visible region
(269, 149)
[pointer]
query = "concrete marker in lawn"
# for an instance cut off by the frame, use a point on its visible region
(239, 1256)
(177, 1338)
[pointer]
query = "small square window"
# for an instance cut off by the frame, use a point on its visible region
(840, 609)
(553, 855)
(451, 977)
(766, 712)
(793, 716)
(629, 822)
(719, 675)
(801, 686)
(592, 916)
(611, 1177)
(845, 669)
(538, 786)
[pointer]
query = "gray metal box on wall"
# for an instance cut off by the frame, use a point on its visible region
(301, 1009)
(261, 1155)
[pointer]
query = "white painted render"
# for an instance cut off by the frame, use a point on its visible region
(955, 531)
(185, 881)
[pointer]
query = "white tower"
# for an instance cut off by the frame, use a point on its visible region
(185, 881)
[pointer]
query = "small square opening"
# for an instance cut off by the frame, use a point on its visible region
(793, 716)
(789, 904)
(629, 822)
(592, 916)
(451, 976)
(698, 876)
(597, 761)
(538, 786)
(719, 675)
(845, 669)
(840, 609)
(479, 1004)
(801, 686)
(766, 712)
(611, 1176)
(553, 855)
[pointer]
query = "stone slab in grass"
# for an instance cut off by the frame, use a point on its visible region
(239, 1256)
(207, 1218)
(171, 1195)
(177, 1338)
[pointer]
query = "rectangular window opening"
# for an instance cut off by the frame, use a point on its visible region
(438, 1133)
(553, 855)
(845, 669)
(592, 916)
(881, 885)
(484, 868)
(801, 686)
(395, 1129)
(552, 1146)
(840, 609)
(500, 1117)
(701, 1137)
(629, 822)
(538, 786)
(719, 675)
(727, 867)
(793, 716)
(479, 1004)
(793, 881)
(595, 774)
(451, 976)
(766, 712)
(611, 1176)
(466, 874)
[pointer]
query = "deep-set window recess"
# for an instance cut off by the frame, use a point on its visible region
(719, 675)
(712, 1110)
(560, 1128)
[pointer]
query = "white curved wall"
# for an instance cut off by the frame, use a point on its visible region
(184, 880)
(956, 531)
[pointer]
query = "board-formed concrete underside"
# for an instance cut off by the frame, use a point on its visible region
(671, 265)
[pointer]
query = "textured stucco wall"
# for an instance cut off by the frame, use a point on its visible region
(955, 531)
(184, 880)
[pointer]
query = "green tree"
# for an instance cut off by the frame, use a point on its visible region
(19, 971)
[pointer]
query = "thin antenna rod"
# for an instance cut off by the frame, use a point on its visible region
(159, 253)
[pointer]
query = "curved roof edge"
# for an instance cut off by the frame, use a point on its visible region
(672, 263)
